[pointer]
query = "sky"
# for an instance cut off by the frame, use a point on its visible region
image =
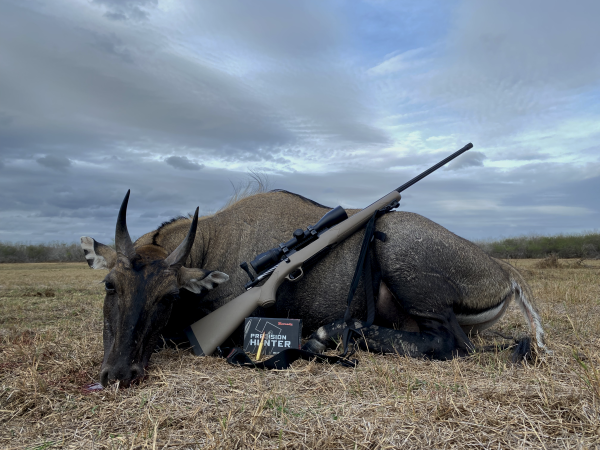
(339, 101)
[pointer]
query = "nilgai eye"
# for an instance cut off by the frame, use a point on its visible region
(109, 286)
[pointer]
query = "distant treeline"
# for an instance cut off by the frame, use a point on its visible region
(50, 252)
(585, 245)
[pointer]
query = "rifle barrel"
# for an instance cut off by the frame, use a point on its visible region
(434, 168)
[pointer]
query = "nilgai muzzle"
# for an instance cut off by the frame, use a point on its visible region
(434, 287)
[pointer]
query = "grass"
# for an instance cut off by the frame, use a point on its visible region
(51, 346)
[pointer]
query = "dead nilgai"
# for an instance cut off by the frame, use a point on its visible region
(435, 286)
(432, 287)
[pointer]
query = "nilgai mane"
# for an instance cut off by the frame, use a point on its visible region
(434, 287)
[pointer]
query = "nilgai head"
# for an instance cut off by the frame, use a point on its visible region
(141, 287)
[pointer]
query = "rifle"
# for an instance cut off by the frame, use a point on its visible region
(287, 262)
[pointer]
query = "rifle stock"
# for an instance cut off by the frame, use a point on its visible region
(208, 333)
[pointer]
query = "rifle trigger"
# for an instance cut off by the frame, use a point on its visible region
(296, 274)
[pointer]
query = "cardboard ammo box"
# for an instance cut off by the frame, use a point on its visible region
(280, 334)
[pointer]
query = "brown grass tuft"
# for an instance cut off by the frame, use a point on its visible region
(579, 264)
(50, 347)
(552, 262)
(549, 262)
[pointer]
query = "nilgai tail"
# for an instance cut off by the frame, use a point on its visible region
(524, 298)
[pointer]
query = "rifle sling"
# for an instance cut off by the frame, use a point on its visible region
(363, 266)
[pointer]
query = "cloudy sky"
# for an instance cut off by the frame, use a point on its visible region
(178, 100)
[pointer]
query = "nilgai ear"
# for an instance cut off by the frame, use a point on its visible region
(97, 255)
(195, 279)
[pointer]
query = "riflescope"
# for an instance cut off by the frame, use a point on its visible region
(300, 239)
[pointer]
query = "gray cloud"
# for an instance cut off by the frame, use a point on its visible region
(508, 60)
(543, 198)
(503, 70)
(107, 86)
(525, 154)
(127, 9)
(469, 159)
(54, 162)
(37, 205)
(112, 45)
(201, 107)
(536, 198)
(6, 119)
(520, 43)
(285, 87)
(287, 30)
(183, 163)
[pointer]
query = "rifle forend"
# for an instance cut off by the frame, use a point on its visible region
(208, 333)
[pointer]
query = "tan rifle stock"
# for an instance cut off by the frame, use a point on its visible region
(208, 333)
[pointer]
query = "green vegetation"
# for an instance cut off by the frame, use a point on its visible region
(584, 245)
(30, 253)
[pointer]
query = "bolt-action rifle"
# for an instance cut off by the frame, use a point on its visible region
(288, 261)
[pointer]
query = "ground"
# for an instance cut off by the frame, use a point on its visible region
(51, 346)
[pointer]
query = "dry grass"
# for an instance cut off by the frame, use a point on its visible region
(549, 262)
(552, 262)
(51, 345)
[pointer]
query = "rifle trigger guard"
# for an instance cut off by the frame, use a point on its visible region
(295, 275)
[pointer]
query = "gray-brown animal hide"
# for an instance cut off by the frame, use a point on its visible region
(425, 266)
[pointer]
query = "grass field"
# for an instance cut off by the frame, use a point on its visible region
(51, 346)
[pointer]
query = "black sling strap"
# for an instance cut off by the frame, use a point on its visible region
(364, 249)
(363, 267)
